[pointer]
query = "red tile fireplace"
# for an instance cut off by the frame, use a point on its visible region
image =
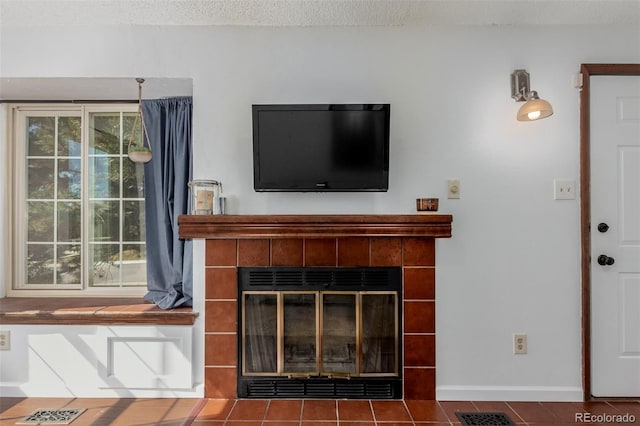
(406, 242)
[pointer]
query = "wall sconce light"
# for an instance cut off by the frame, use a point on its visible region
(534, 107)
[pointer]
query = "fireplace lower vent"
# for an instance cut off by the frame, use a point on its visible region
(324, 388)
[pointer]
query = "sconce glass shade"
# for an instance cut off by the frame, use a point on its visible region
(534, 109)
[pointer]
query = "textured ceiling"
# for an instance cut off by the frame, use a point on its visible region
(317, 12)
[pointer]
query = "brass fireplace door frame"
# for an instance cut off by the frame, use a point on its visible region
(319, 300)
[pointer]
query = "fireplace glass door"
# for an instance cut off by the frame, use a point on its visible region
(299, 333)
(260, 337)
(339, 336)
(315, 333)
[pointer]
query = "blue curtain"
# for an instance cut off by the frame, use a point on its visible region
(166, 178)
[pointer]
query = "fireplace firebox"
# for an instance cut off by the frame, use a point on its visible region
(320, 332)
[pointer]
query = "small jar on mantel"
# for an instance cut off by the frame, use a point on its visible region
(206, 196)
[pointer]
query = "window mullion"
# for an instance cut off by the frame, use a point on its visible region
(121, 201)
(55, 198)
(84, 199)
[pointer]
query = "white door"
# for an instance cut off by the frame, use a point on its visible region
(615, 252)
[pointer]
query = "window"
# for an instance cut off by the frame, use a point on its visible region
(78, 201)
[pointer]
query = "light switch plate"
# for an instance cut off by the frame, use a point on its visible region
(564, 189)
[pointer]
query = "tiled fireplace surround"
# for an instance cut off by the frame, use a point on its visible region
(407, 241)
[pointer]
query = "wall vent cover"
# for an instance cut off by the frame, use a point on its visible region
(46, 416)
(481, 419)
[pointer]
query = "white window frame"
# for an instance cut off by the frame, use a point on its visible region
(15, 250)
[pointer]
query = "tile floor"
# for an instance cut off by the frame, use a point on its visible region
(107, 411)
(392, 413)
(216, 412)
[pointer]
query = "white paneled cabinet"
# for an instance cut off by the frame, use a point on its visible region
(99, 361)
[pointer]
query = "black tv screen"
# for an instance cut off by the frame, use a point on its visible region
(321, 148)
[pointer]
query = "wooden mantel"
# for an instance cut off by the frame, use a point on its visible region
(314, 226)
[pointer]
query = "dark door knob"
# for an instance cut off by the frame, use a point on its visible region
(603, 227)
(603, 259)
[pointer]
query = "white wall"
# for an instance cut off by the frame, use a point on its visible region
(513, 263)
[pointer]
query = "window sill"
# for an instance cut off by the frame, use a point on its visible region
(90, 311)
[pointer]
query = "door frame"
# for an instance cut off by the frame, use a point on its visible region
(588, 70)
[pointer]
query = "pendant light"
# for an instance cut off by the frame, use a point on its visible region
(139, 152)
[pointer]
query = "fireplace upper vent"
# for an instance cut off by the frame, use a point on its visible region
(318, 278)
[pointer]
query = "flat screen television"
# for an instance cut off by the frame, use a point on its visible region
(321, 148)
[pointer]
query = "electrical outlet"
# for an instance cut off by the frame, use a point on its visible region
(453, 189)
(519, 344)
(5, 340)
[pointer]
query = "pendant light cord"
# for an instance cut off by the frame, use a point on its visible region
(140, 118)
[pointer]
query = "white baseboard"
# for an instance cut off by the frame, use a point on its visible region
(8, 390)
(509, 393)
